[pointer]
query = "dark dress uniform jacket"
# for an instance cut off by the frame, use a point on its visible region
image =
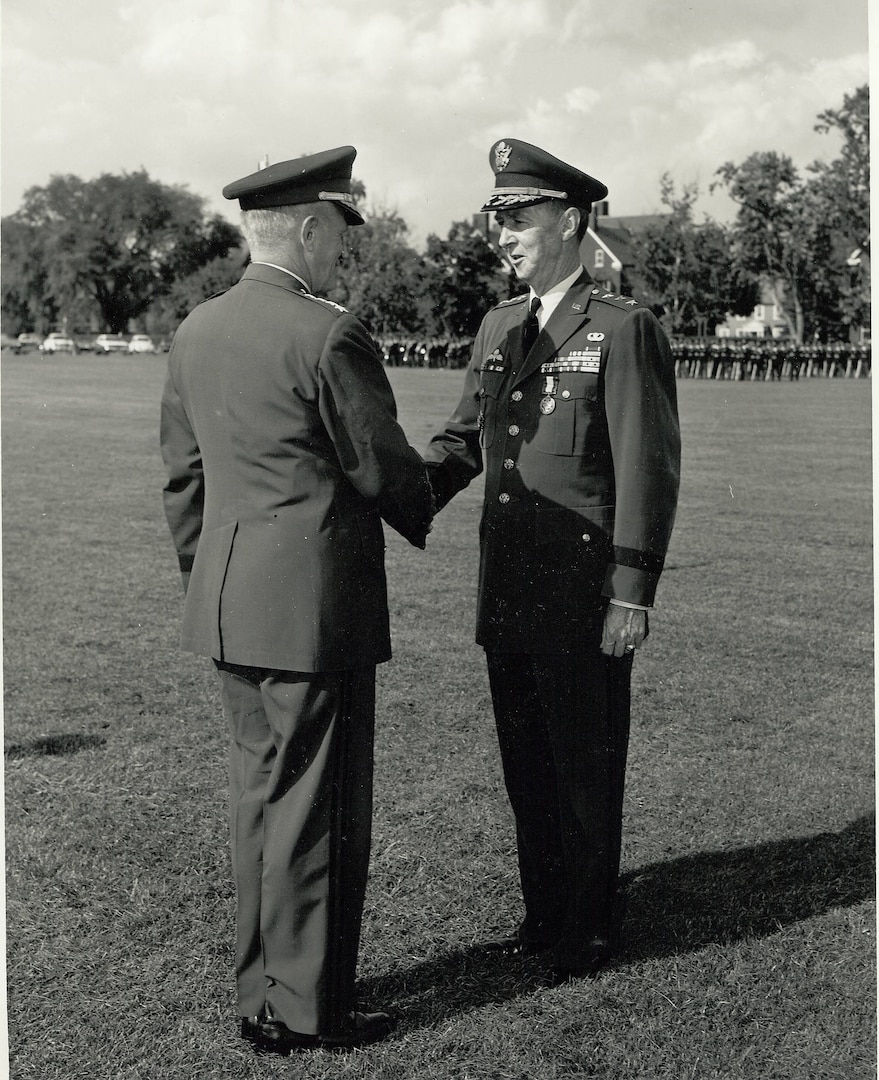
(582, 451)
(280, 437)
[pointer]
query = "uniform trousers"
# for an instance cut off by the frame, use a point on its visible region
(563, 731)
(300, 780)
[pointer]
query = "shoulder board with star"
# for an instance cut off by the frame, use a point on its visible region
(520, 299)
(618, 300)
(327, 303)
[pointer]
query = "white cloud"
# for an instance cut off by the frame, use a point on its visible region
(582, 99)
(197, 91)
(337, 45)
(731, 56)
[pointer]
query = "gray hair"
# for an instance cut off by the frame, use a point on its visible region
(556, 207)
(271, 227)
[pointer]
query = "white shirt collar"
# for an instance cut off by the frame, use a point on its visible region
(553, 297)
(283, 269)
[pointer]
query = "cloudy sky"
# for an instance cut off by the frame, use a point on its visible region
(198, 91)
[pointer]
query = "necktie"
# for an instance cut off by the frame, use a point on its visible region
(532, 327)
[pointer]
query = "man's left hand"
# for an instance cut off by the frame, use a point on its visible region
(624, 630)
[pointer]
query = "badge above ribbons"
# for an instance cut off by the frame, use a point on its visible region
(494, 362)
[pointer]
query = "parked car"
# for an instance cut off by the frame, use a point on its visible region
(141, 343)
(84, 342)
(58, 343)
(107, 343)
(26, 342)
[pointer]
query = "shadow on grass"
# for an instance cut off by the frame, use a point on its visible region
(673, 907)
(724, 896)
(53, 745)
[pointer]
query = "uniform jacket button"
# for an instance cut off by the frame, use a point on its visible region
(587, 537)
(516, 395)
(513, 429)
(509, 463)
(504, 497)
(566, 393)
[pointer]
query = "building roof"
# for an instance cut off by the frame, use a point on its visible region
(617, 234)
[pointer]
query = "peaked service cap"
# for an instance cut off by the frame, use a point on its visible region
(323, 177)
(525, 174)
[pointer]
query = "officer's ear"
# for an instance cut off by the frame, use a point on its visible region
(569, 222)
(308, 232)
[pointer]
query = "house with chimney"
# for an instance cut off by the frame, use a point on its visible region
(607, 253)
(607, 249)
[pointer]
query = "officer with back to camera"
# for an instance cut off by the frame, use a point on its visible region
(283, 454)
(570, 401)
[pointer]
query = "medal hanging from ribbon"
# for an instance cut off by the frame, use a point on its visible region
(547, 402)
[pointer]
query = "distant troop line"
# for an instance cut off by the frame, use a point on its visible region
(756, 359)
(738, 359)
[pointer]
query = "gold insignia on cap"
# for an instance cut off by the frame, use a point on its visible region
(502, 156)
(337, 196)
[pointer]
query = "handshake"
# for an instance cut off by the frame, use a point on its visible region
(419, 537)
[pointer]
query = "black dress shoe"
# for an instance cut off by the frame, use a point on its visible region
(270, 1036)
(582, 962)
(515, 947)
(360, 1029)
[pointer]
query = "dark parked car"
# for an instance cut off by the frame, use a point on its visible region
(26, 342)
(84, 342)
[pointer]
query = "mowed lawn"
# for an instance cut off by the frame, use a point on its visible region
(748, 846)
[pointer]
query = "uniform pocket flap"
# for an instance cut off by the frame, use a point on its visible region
(491, 382)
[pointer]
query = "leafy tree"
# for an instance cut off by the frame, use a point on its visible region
(685, 270)
(808, 239)
(114, 245)
(841, 190)
(380, 275)
(465, 277)
(775, 231)
(845, 182)
(26, 302)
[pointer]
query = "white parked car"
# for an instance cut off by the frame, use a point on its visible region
(58, 343)
(141, 343)
(107, 343)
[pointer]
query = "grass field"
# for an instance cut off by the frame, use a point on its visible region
(749, 837)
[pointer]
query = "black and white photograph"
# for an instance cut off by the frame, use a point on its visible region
(437, 540)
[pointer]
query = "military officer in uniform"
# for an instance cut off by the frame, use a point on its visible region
(283, 455)
(570, 401)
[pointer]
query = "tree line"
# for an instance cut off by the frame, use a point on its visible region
(127, 253)
(802, 239)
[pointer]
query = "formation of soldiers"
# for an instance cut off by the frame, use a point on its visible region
(426, 353)
(768, 358)
(738, 359)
